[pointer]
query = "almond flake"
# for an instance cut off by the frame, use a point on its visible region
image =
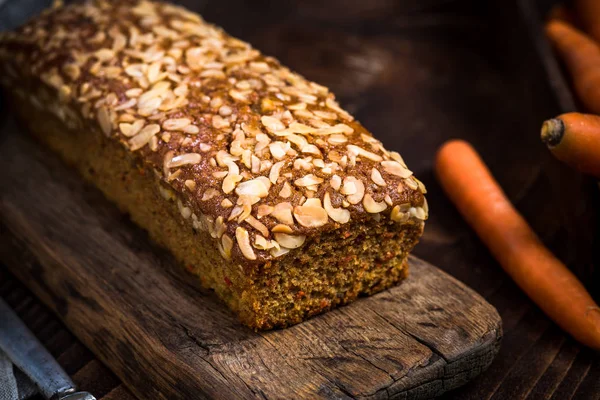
(337, 214)
(286, 190)
(143, 137)
(371, 206)
(308, 180)
(359, 151)
(225, 246)
(289, 241)
(275, 170)
(283, 213)
(185, 159)
(209, 194)
(311, 214)
(243, 240)
(336, 182)
(395, 168)
(255, 187)
(377, 178)
(256, 224)
(282, 229)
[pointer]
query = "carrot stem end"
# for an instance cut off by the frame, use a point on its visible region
(553, 131)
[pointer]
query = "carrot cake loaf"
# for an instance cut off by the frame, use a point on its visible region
(252, 176)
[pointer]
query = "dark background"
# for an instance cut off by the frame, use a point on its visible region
(417, 73)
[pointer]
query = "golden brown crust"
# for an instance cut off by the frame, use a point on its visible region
(252, 153)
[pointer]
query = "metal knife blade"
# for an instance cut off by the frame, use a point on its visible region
(28, 354)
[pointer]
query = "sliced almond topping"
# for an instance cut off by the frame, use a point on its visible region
(243, 240)
(209, 194)
(226, 246)
(339, 128)
(104, 121)
(354, 189)
(226, 203)
(232, 178)
(420, 184)
(190, 184)
(272, 124)
(297, 127)
(135, 92)
(337, 139)
(220, 227)
(290, 241)
(166, 193)
(275, 170)
(311, 149)
(311, 214)
(286, 190)
(377, 178)
(359, 151)
(185, 159)
(176, 124)
(130, 130)
(325, 114)
(255, 164)
(388, 200)
(235, 212)
(349, 186)
(256, 224)
(279, 149)
(283, 213)
(395, 168)
(410, 183)
(143, 137)
(336, 182)
(275, 252)
(174, 175)
(191, 129)
(396, 156)
(371, 206)
(418, 213)
(397, 215)
(308, 180)
(186, 212)
(254, 187)
(337, 214)
(297, 106)
(261, 243)
(219, 122)
(264, 210)
(282, 229)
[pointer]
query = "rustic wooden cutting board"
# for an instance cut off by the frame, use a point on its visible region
(166, 338)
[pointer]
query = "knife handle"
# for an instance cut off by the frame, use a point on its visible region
(28, 354)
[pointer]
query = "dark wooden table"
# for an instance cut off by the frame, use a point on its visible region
(417, 72)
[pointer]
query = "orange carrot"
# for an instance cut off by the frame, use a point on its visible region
(582, 58)
(588, 12)
(574, 139)
(547, 281)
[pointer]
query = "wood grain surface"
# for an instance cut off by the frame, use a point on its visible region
(165, 337)
(418, 72)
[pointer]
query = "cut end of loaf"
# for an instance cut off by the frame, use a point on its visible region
(552, 132)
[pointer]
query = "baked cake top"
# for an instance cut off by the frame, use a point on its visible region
(251, 152)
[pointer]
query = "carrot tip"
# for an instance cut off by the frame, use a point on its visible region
(553, 131)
